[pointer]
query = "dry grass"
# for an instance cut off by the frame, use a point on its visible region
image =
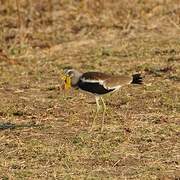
(44, 131)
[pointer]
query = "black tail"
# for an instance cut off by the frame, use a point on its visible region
(137, 79)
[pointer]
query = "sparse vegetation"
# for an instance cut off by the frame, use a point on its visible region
(44, 130)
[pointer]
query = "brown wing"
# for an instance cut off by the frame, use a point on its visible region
(118, 80)
(95, 76)
(107, 80)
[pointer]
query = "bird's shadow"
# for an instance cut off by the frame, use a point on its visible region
(8, 125)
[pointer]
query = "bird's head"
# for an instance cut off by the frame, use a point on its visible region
(71, 78)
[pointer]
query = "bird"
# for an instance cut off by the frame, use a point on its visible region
(98, 84)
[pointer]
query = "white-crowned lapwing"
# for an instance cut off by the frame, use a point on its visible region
(99, 84)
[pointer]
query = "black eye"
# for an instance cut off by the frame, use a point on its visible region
(71, 73)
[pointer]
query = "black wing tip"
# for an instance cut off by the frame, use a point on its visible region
(137, 79)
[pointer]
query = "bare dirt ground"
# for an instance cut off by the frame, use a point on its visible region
(44, 130)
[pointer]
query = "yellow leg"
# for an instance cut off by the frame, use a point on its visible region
(97, 110)
(104, 112)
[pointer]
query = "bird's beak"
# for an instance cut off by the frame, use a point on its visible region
(67, 82)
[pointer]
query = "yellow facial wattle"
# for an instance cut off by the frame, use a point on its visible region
(67, 81)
